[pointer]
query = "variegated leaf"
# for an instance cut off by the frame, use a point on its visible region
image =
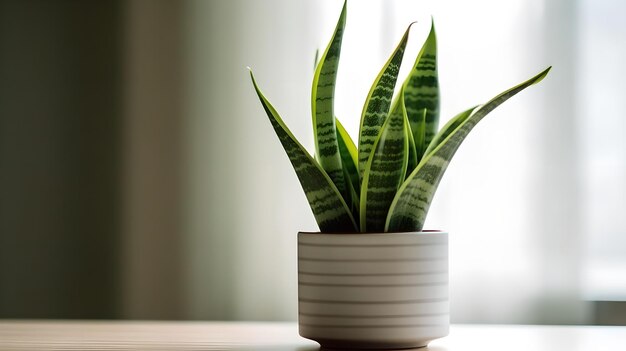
(322, 105)
(385, 170)
(421, 91)
(330, 211)
(410, 205)
(378, 102)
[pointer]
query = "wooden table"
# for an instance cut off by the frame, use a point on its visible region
(94, 335)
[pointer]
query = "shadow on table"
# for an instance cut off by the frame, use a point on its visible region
(317, 348)
(435, 348)
(281, 348)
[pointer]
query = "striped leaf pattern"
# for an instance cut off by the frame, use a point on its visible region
(322, 101)
(378, 102)
(448, 129)
(348, 152)
(385, 170)
(330, 211)
(410, 206)
(421, 91)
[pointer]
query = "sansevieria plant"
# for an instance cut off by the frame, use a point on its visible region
(387, 183)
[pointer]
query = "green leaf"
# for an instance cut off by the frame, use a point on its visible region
(412, 162)
(411, 203)
(421, 91)
(420, 135)
(448, 128)
(322, 106)
(378, 101)
(414, 150)
(354, 202)
(330, 211)
(385, 171)
(348, 152)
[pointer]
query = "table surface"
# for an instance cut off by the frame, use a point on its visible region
(140, 335)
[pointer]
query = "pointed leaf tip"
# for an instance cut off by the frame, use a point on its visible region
(538, 78)
(408, 29)
(432, 23)
(256, 87)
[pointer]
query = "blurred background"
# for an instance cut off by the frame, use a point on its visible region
(140, 178)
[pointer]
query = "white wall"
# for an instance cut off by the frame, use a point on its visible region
(244, 204)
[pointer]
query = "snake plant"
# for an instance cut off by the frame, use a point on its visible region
(387, 182)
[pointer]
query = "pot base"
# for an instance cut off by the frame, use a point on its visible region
(337, 345)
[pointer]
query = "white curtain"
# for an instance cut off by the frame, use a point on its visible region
(603, 153)
(511, 198)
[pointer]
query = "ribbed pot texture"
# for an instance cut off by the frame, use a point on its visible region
(373, 291)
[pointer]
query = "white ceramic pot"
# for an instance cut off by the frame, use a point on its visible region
(373, 291)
